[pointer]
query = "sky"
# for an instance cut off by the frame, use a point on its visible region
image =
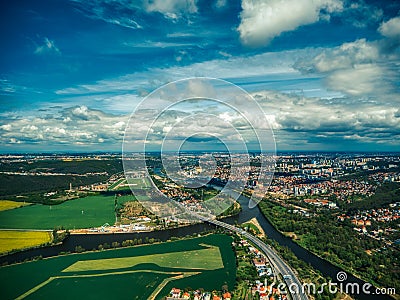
(325, 72)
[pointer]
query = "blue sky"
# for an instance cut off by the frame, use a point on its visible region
(326, 72)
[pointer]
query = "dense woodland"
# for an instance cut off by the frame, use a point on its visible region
(385, 194)
(14, 185)
(81, 166)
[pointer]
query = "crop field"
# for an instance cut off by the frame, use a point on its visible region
(193, 258)
(141, 272)
(16, 240)
(91, 211)
(7, 204)
(115, 184)
(139, 183)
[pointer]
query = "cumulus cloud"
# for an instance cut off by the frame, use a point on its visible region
(360, 80)
(48, 46)
(391, 28)
(78, 125)
(361, 67)
(342, 57)
(330, 121)
(294, 119)
(261, 21)
(90, 128)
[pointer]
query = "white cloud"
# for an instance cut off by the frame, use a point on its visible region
(359, 80)
(295, 120)
(329, 121)
(14, 141)
(81, 125)
(220, 3)
(114, 12)
(29, 128)
(151, 44)
(342, 57)
(261, 21)
(391, 28)
(81, 111)
(6, 127)
(171, 8)
(48, 46)
(368, 68)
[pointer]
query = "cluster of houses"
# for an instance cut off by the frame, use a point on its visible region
(268, 292)
(260, 261)
(383, 215)
(178, 294)
(262, 268)
(363, 219)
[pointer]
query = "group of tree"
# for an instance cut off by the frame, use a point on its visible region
(340, 244)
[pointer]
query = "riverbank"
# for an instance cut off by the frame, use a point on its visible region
(92, 241)
(260, 231)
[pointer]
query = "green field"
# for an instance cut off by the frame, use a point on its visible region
(91, 211)
(129, 273)
(111, 285)
(139, 183)
(116, 183)
(193, 258)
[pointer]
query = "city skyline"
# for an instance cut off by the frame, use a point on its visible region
(326, 73)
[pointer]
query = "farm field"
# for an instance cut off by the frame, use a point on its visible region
(115, 184)
(17, 240)
(139, 272)
(193, 258)
(139, 183)
(8, 204)
(84, 212)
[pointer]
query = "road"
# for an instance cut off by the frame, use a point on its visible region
(278, 264)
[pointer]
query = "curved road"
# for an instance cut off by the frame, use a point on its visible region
(278, 264)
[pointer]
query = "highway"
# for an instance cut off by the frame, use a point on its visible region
(278, 264)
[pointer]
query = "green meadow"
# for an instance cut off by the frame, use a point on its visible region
(140, 272)
(90, 211)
